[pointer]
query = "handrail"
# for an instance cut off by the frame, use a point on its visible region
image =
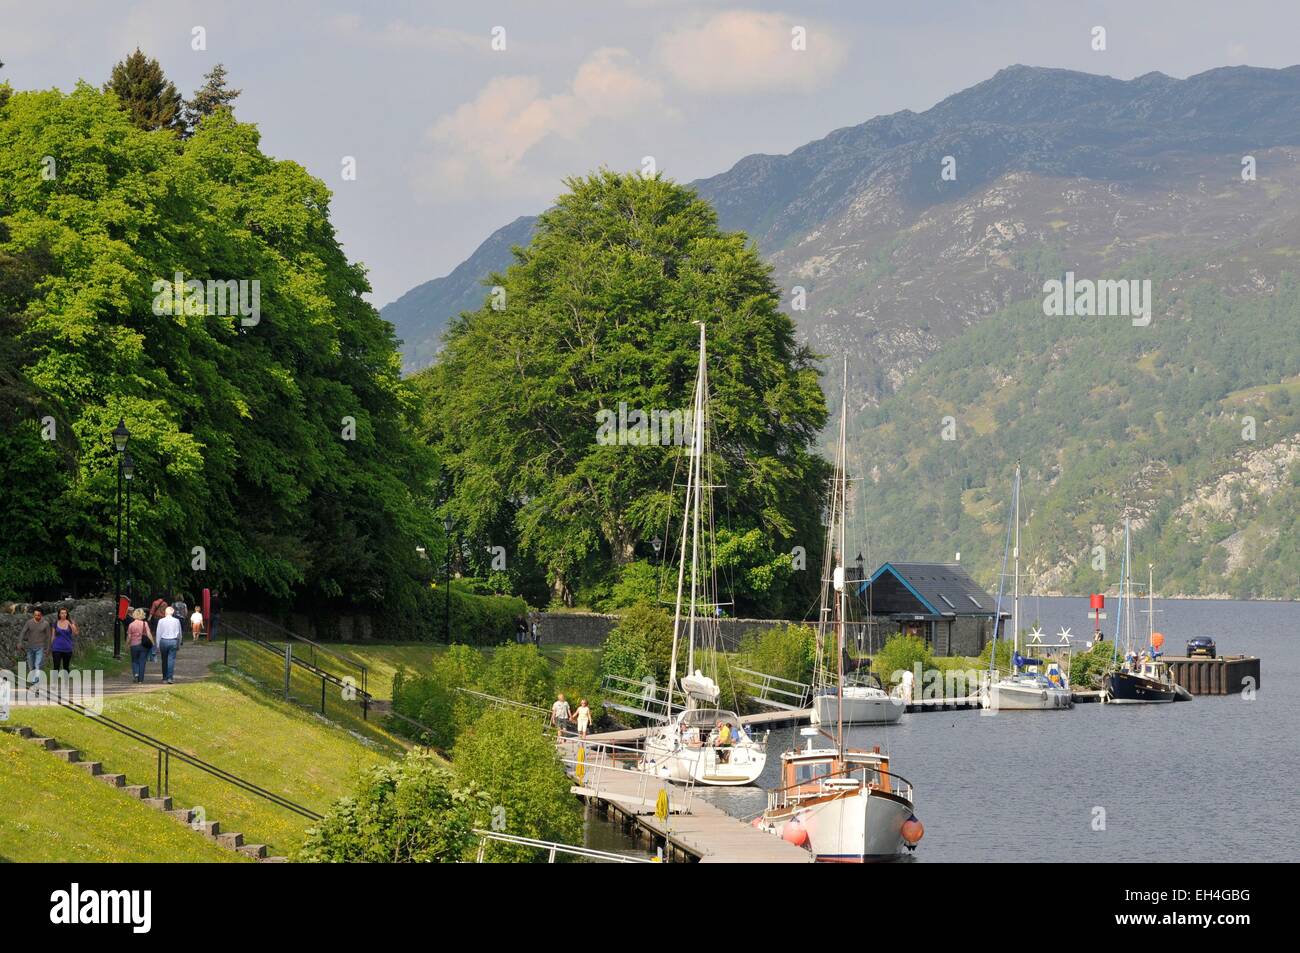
(555, 847)
(167, 751)
(773, 793)
(316, 646)
(365, 698)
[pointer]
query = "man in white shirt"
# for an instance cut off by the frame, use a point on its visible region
(560, 715)
(169, 641)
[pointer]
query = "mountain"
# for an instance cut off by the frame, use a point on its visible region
(934, 287)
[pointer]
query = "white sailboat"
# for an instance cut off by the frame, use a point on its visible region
(856, 697)
(702, 743)
(1029, 686)
(844, 805)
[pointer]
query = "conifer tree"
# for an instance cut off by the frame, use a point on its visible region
(146, 94)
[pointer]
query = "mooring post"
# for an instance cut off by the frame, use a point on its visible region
(288, 666)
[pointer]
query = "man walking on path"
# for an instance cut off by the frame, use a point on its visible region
(169, 641)
(560, 715)
(35, 639)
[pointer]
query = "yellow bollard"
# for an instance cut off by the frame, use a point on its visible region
(580, 768)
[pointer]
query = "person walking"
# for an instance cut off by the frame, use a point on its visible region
(35, 640)
(560, 715)
(169, 643)
(137, 638)
(196, 624)
(583, 718)
(156, 613)
(63, 642)
(181, 609)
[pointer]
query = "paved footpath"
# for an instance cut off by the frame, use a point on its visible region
(192, 665)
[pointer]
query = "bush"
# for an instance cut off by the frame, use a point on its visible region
(788, 651)
(902, 653)
(578, 677)
(638, 584)
(409, 811)
(640, 645)
(520, 673)
(1003, 663)
(475, 619)
(507, 757)
(1086, 668)
(434, 699)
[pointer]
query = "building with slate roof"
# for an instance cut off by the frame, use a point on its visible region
(938, 602)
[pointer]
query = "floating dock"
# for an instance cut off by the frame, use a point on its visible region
(693, 830)
(1225, 675)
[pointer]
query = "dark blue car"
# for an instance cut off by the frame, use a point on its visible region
(1202, 646)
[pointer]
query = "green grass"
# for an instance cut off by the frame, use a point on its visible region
(55, 812)
(233, 723)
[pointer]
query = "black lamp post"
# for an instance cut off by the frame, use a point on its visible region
(128, 473)
(447, 524)
(120, 436)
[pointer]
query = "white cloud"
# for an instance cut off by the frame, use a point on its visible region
(481, 145)
(748, 51)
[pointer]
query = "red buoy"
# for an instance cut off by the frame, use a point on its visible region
(913, 831)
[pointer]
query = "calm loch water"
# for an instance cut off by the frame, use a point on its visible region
(1214, 779)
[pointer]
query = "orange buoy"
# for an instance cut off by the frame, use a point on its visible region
(913, 831)
(1157, 640)
(794, 832)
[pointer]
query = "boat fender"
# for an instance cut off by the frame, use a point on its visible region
(913, 831)
(794, 832)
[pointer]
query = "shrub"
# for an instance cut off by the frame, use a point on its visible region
(434, 699)
(579, 677)
(409, 811)
(520, 673)
(1003, 663)
(902, 653)
(640, 645)
(506, 756)
(788, 651)
(638, 584)
(1086, 668)
(475, 619)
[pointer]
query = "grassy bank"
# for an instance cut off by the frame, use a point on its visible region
(52, 812)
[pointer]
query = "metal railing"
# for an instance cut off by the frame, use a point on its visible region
(553, 848)
(594, 768)
(348, 691)
(797, 694)
(316, 653)
(167, 752)
(842, 780)
(642, 699)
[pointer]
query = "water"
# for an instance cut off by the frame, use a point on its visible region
(1214, 779)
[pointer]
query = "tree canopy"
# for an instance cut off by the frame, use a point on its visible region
(146, 94)
(273, 456)
(601, 310)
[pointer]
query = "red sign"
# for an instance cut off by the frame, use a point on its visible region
(1097, 601)
(123, 604)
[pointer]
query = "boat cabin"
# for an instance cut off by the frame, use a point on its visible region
(817, 772)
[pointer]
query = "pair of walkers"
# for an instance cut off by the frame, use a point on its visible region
(561, 716)
(166, 637)
(39, 638)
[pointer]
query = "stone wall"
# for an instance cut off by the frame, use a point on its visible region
(94, 617)
(591, 628)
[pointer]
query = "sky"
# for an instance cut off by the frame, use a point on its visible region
(461, 116)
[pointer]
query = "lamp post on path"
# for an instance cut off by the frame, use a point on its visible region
(120, 437)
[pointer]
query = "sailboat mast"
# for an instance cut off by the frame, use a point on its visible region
(698, 451)
(1128, 591)
(692, 489)
(1151, 604)
(1015, 603)
(839, 556)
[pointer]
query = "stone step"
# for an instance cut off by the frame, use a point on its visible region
(49, 744)
(70, 755)
(112, 780)
(231, 841)
(257, 851)
(275, 860)
(210, 828)
(22, 731)
(92, 768)
(159, 803)
(140, 791)
(185, 815)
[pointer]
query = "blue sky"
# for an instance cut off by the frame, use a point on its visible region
(453, 138)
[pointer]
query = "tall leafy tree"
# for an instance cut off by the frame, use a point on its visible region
(146, 94)
(601, 309)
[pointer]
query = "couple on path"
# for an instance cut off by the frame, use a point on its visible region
(560, 716)
(38, 637)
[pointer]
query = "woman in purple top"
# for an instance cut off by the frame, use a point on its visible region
(65, 631)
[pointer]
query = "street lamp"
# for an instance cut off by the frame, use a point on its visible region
(128, 473)
(120, 437)
(447, 524)
(657, 543)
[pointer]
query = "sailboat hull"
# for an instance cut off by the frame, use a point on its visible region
(665, 757)
(1008, 696)
(1126, 688)
(858, 709)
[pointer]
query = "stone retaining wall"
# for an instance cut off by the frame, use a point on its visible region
(591, 628)
(94, 617)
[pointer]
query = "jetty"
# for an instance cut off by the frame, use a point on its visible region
(674, 817)
(1225, 675)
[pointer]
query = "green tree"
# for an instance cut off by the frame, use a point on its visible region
(146, 94)
(520, 673)
(214, 94)
(410, 811)
(600, 310)
(640, 645)
(506, 756)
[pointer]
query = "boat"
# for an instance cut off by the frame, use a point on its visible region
(843, 805)
(1142, 678)
(701, 743)
(864, 702)
(1030, 686)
